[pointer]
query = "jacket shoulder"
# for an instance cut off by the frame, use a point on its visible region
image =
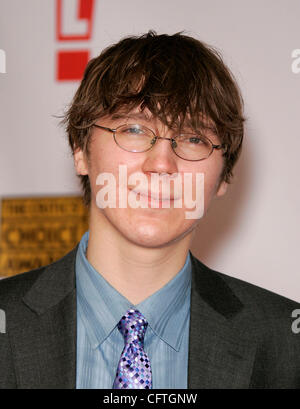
(15, 287)
(254, 298)
(251, 294)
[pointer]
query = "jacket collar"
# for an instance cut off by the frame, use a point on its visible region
(53, 285)
(58, 280)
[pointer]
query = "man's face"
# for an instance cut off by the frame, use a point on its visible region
(148, 227)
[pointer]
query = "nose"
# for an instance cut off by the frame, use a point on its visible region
(163, 137)
(161, 158)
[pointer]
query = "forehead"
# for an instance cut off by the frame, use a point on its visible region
(135, 114)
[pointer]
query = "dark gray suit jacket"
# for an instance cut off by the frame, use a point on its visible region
(240, 334)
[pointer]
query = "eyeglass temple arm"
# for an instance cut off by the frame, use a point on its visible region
(219, 146)
(104, 127)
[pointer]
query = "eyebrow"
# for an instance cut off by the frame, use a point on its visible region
(137, 115)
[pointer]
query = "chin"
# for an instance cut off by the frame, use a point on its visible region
(149, 236)
(146, 231)
(152, 236)
(150, 242)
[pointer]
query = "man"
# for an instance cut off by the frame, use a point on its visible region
(130, 306)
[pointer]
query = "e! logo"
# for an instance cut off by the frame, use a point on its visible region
(296, 62)
(2, 62)
(74, 22)
(296, 323)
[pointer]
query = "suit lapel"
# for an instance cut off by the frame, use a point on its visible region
(221, 354)
(44, 340)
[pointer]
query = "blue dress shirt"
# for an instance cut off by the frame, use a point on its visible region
(99, 342)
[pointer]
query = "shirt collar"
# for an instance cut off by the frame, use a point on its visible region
(102, 306)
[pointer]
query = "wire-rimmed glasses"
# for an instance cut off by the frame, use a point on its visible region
(138, 138)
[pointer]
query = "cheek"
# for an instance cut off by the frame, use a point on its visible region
(106, 156)
(211, 171)
(100, 158)
(103, 161)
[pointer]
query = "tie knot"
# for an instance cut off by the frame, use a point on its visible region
(133, 326)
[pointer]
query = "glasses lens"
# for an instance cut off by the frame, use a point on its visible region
(193, 147)
(134, 138)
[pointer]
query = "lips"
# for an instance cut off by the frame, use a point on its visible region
(154, 195)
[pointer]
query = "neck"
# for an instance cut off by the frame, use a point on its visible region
(134, 271)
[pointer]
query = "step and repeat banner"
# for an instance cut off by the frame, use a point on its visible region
(253, 231)
(37, 231)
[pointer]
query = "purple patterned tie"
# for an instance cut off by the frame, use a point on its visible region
(134, 370)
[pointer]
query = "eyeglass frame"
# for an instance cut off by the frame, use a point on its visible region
(156, 137)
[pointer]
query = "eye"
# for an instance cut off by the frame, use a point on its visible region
(133, 130)
(192, 140)
(195, 140)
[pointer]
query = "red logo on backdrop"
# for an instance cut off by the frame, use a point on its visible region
(74, 21)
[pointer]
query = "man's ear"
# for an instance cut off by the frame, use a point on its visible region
(222, 189)
(80, 162)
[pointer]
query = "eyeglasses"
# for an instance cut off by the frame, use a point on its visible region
(139, 138)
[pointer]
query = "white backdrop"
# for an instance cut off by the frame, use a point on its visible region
(253, 232)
